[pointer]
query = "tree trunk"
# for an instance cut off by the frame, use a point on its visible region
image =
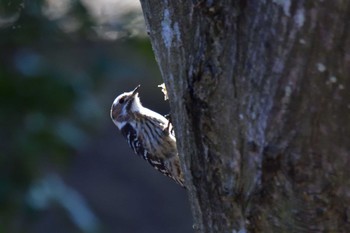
(260, 100)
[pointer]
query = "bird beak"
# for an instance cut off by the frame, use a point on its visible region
(135, 91)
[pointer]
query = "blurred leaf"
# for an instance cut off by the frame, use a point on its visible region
(54, 73)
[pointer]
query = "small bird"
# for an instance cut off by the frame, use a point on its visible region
(148, 133)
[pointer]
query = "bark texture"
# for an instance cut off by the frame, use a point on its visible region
(260, 100)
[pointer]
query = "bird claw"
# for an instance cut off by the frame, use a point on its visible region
(169, 126)
(168, 117)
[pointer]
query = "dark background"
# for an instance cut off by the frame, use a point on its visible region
(64, 166)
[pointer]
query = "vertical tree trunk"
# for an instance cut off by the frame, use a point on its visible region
(260, 99)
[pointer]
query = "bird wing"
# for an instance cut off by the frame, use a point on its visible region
(136, 143)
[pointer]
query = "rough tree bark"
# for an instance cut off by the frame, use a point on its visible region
(260, 100)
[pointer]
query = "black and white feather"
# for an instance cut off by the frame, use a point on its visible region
(148, 133)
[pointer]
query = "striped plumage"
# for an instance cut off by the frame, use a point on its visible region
(148, 133)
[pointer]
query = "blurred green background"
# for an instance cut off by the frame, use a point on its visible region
(64, 167)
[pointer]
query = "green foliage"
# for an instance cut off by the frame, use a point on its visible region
(52, 83)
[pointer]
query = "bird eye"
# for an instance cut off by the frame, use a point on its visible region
(122, 100)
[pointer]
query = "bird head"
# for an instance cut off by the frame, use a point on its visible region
(124, 105)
